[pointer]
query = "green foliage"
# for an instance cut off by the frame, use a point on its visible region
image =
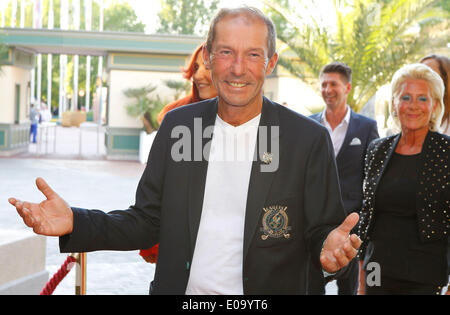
(144, 106)
(187, 17)
(3, 51)
(3, 55)
(180, 87)
(445, 4)
(374, 37)
(120, 17)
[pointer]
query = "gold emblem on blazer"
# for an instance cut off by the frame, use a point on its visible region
(275, 223)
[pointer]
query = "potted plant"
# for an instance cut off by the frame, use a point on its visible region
(144, 106)
(147, 108)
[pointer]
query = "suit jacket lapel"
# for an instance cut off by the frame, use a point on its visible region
(351, 133)
(197, 176)
(260, 182)
(385, 156)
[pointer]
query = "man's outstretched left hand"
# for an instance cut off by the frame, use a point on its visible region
(340, 247)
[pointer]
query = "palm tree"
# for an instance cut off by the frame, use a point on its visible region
(374, 37)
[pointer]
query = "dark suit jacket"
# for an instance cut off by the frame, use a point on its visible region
(350, 164)
(170, 195)
(350, 159)
(432, 197)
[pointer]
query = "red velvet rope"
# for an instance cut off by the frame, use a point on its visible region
(58, 276)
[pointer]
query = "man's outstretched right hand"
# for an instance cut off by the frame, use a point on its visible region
(51, 217)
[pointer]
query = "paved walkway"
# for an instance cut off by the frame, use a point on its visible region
(84, 180)
(102, 185)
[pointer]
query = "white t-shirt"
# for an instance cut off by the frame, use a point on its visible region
(218, 256)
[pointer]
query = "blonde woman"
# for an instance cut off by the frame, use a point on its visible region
(406, 213)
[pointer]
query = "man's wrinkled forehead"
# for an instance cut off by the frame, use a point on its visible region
(242, 17)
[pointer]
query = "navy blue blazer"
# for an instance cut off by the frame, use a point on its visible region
(169, 202)
(350, 159)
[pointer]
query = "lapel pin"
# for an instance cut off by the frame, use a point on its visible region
(267, 157)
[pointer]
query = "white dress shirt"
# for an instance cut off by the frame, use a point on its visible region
(338, 134)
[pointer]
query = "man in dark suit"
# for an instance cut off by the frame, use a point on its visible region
(351, 134)
(225, 226)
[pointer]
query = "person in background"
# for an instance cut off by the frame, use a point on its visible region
(351, 134)
(34, 119)
(202, 86)
(46, 115)
(441, 65)
(202, 89)
(405, 216)
(230, 226)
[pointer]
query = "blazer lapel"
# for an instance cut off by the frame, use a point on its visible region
(385, 155)
(197, 175)
(261, 181)
(351, 133)
(375, 168)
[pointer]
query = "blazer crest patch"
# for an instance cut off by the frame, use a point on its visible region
(275, 223)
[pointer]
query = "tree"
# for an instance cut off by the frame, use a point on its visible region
(120, 17)
(144, 106)
(180, 87)
(187, 17)
(445, 4)
(374, 37)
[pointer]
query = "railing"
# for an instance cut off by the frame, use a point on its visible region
(46, 137)
(79, 261)
(85, 140)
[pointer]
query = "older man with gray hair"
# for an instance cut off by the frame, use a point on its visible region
(244, 224)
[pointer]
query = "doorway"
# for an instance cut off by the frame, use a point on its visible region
(17, 105)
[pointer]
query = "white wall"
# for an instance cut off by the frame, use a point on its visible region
(120, 80)
(9, 77)
(299, 96)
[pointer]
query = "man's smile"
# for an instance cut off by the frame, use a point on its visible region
(236, 84)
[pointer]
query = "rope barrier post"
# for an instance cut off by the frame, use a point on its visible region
(59, 275)
(80, 274)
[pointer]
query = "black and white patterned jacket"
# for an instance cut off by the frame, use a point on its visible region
(433, 193)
